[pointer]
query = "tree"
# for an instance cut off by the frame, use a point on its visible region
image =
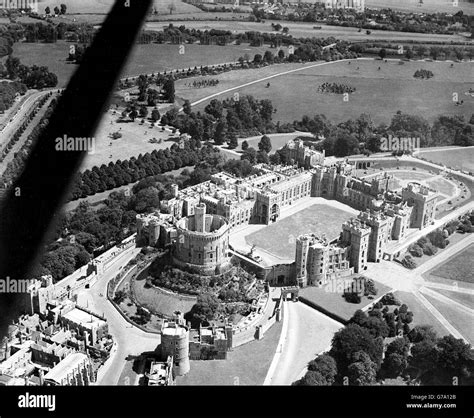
(262, 157)
(275, 158)
(169, 90)
(245, 145)
(219, 134)
(359, 318)
(250, 154)
(205, 309)
(265, 144)
(362, 371)
(143, 112)
(187, 107)
(382, 53)
(409, 53)
(12, 65)
(396, 357)
(155, 115)
(56, 10)
(63, 9)
(233, 142)
(171, 8)
(47, 10)
(326, 366)
(257, 59)
(351, 339)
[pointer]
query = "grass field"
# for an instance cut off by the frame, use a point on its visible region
(335, 302)
(144, 58)
(421, 315)
(133, 142)
(457, 158)
(160, 302)
(428, 6)
(303, 29)
(104, 6)
(280, 238)
(458, 319)
(458, 268)
(380, 93)
(245, 365)
(465, 299)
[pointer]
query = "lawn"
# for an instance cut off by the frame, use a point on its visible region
(245, 365)
(335, 303)
(143, 59)
(421, 315)
(455, 317)
(457, 158)
(458, 268)
(161, 302)
(464, 298)
(135, 140)
(381, 93)
(280, 238)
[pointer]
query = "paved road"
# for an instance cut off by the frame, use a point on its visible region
(129, 340)
(309, 333)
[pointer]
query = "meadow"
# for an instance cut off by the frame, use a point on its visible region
(280, 238)
(304, 30)
(143, 59)
(381, 93)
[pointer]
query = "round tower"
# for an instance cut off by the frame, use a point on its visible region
(200, 217)
(175, 342)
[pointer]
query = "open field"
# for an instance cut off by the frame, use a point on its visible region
(428, 6)
(421, 315)
(143, 59)
(303, 29)
(280, 238)
(458, 319)
(134, 141)
(335, 302)
(458, 268)
(381, 93)
(457, 158)
(245, 365)
(104, 6)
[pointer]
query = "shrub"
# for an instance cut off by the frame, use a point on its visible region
(408, 262)
(390, 299)
(415, 250)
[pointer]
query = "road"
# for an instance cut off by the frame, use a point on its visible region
(308, 333)
(129, 340)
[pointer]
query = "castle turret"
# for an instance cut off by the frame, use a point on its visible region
(200, 217)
